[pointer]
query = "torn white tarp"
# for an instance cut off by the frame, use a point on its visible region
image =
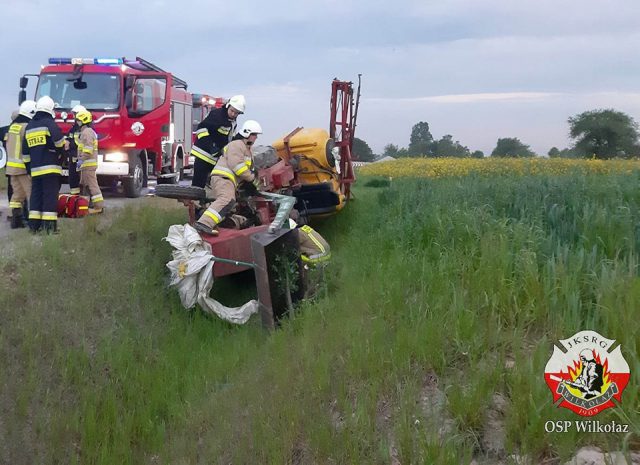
(192, 273)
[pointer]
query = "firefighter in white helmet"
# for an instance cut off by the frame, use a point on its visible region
(314, 249)
(213, 134)
(87, 156)
(44, 143)
(18, 163)
(234, 166)
(71, 146)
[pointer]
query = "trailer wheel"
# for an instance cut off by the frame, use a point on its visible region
(134, 182)
(181, 192)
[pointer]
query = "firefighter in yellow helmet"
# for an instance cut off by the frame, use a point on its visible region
(18, 163)
(88, 160)
(234, 166)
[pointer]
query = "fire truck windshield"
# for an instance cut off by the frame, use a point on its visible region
(93, 91)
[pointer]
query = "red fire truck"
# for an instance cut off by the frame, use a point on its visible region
(144, 116)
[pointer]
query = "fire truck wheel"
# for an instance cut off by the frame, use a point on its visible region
(181, 192)
(133, 183)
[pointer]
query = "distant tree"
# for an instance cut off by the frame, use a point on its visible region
(553, 152)
(477, 154)
(390, 150)
(362, 151)
(446, 147)
(402, 152)
(604, 134)
(421, 140)
(511, 147)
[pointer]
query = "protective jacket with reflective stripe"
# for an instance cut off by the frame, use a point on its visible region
(16, 161)
(313, 247)
(87, 143)
(213, 134)
(235, 163)
(43, 142)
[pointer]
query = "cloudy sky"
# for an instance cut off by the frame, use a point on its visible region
(476, 69)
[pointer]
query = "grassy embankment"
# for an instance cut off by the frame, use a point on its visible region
(444, 301)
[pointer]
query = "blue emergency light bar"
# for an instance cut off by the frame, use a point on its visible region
(85, 61)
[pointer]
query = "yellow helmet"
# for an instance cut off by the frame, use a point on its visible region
(84, 116)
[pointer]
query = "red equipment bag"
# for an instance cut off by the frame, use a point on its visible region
(72, 206)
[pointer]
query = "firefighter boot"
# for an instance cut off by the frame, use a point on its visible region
(203, 228)
(16, 218)
(96, 210)
(50, 226)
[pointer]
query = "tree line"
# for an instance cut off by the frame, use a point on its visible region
(602, 134)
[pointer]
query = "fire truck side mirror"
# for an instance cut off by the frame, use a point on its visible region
(22, 96)
(129, 82)
(24, 80)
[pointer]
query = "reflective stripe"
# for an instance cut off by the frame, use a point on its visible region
(224, 131)
(46, 169)
(39, 131)
(81, 207)
(37, 136)
(15, 128)
(59, 143)
(26, 158)
(13, 163)
(74, 190)
(226, 173)
(200, 133)
(14, 204)
(35, 215)
(214, 215)
(89, 163)
(97, 198)
(316, 258)
(241, 168)
(49, 216)
(203, 155)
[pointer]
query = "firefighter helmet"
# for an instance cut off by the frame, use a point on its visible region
(238, 102)
(250, 127)
(78, 109)
(47, 105)
(84, 117)
(27, 108)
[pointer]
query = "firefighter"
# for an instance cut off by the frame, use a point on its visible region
(72, 148)
(3, 132)
(314, 249)
(213, 134)
(17, 163)
(87, 155)
(44, 143)
(235, 164)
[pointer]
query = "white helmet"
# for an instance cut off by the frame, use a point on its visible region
(250, 127)
(77, 109)
(27, 108)
(46, 104)
(238, 102)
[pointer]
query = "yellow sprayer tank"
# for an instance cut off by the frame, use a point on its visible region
(309, 152)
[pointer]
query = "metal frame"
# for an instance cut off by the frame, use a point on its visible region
(342, 128)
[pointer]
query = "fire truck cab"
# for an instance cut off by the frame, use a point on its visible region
(142, 114)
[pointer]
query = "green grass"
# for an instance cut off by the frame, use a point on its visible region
(440, 295)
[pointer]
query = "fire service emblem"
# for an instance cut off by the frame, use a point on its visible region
(588, 375)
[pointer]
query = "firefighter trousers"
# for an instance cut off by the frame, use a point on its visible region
(21, 185)
(43, 205)
(224, 191)
(201, 172)
(74, 175)
(89, 180)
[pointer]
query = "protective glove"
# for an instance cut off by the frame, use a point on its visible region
(250, 189)
(79, 164)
